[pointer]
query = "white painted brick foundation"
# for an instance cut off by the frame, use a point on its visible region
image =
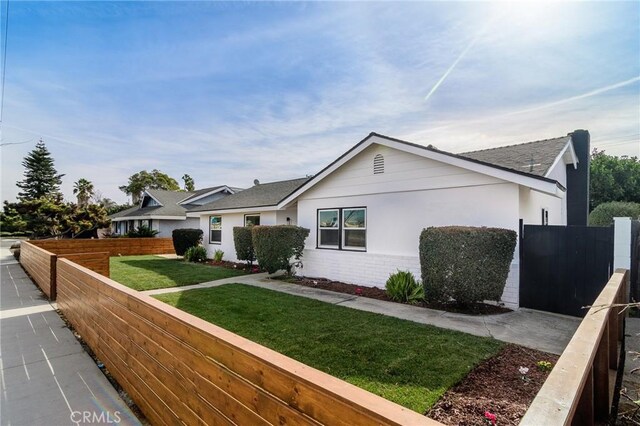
(369, 269)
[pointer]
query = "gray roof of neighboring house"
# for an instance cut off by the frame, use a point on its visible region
(531, 157)
(169, 207)
(261, 195)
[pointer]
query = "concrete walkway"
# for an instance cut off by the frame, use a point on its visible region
(534, 329)
(46, 376)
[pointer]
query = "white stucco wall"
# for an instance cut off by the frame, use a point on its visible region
(230, 220)
(413, 193)
(532, 202)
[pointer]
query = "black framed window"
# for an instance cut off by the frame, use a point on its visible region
(343, 229)
(251, 219)
(215, 229)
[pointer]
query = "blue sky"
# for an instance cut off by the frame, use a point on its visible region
(231, 92)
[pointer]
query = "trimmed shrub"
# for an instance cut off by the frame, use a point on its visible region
(195, 254)
(275, 246)
(142, 231)
(185, 238)
(403, 287)
(604, 213)
(217, 255)
(243, 242)
(465, 264)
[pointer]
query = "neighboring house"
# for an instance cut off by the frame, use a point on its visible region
(257, 205)
(366, 210)
(165, 211)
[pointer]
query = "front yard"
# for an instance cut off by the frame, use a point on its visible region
(152, 272)
(408, 363)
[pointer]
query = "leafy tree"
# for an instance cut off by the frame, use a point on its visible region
(83, 190)
(613, 179)
(189, 183)
(50, 217)
(115, 207)
(40, 176)
(143, 180)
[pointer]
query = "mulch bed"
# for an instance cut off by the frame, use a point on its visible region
(234, 265)
(381, 294)
(495, 386)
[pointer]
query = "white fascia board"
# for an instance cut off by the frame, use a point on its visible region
(122, 219)
(146, 193)
(226, 211)
(567, 153)
(545, 187)
(206, 194)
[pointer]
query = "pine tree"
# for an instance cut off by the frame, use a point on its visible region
(189, 183)
(40, 176)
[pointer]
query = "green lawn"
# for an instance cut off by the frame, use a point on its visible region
(151, 272)
(405, 362)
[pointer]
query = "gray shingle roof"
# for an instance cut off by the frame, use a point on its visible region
(169, 207)
(531, 157)
(261, 195)
(188, 195)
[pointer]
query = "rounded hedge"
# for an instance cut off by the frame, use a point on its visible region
(275, 246)
(465, 264)
(604, 213)
(243, 242)
(185, 238)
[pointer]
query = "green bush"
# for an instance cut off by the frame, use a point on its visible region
(195, 254)
(185, 238)
(142, 231)
(243, 242)
(403, 287)
(604, 213)
(275, 246)
(465, 264)
(217, 255)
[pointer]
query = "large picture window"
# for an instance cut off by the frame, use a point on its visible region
(343, 229)
(215, 229)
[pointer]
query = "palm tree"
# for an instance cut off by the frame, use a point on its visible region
(83, 190)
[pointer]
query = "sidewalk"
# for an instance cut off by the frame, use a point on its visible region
(533, 329)
(46, 376)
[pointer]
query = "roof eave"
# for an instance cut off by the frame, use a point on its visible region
(249, 209)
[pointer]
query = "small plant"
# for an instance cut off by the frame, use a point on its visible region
(544, 365)
(403, 287)
(142, 231)
(195, 254)
(217, 255)
(490, 418)
(523, 372)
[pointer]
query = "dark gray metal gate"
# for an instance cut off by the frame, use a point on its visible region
(563, 268)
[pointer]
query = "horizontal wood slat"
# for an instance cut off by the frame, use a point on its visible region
(181, 369)
(96, 261)
(114, 246)
(40, 265)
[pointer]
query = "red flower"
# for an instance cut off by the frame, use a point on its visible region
(358, 291)
(491, 417)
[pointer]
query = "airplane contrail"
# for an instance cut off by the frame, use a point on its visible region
(455, 63)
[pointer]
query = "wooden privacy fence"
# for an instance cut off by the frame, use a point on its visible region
(180, 369)
(41, 265)
(580, 388)
(39, 257)
(114, 246)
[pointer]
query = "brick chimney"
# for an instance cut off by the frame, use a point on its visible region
(578, 180)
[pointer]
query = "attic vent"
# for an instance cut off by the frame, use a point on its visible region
(378, 164)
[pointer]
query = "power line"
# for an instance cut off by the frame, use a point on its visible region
(4, 61)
